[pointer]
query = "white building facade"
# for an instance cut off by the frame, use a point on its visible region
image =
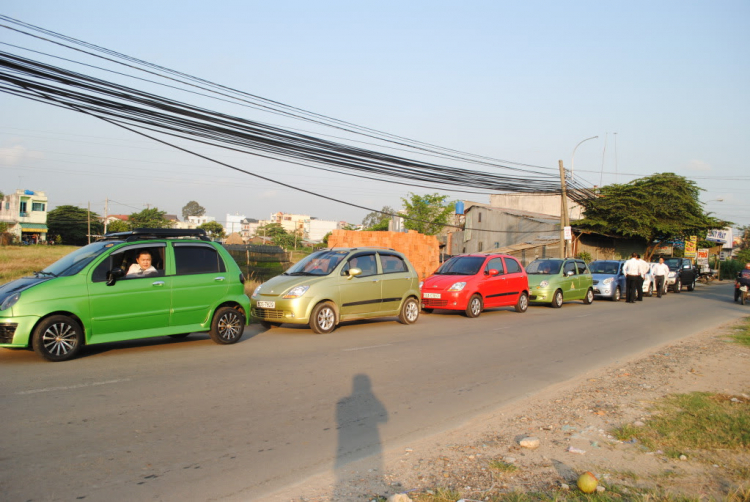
(25, 213)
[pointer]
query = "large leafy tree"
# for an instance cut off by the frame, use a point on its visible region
(149, 218)
(117, 226)
(213, 229)
(427, 214)
(378, 220)
(657, 209)
(279, 235)
(71, 223)
(192, 208)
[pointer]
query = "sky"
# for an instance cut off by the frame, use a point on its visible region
(664, 86)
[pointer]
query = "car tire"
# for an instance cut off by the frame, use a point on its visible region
(650, 291)
(691, 286)
(57, 338)
(227, 326)
(474, 307)
(323, 318)
(678, 286)
(523, 303)
(557, 299)
(179, 336)
(617, 295)
(428, 311)
(409, 311)
(589, 298)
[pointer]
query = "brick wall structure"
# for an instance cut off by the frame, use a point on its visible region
(423, 251)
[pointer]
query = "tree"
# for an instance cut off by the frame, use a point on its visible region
(378, 220)
(657, 209)
(427, 214)
(192, 208)
(71, 224)
(214, 230)
(117, 226)
(149, 218)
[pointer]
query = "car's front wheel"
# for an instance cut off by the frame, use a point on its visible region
(523, 303)
(617, 294)
(227, 326)
(409, 312)
(678, 286)
(323, 318)
(589, 298)
(650, 291)
(57, 338)
(557, 299)
(474, 308)
(691, 286)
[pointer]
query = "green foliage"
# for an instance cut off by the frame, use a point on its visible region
(375, 220)
(192, 208)
(325, 239)
(71, 224)
(655, 209)
(149, 218)
(350, 226)
(585, 256)
(279, 235)
(427, 214)
(214, 230)
(117, 226)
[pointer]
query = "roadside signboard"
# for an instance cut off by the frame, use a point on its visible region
(691, 245)
(701, 257)
(666, 250)
(721, 235)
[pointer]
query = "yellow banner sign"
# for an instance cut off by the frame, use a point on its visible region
(691, 247)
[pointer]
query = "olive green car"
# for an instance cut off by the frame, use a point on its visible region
(340, 284)
(555, 280)
(97, 294)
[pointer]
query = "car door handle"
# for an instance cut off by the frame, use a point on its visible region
(219, 279)
(158, 283)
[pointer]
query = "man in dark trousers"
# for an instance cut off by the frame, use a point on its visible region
(632, 271)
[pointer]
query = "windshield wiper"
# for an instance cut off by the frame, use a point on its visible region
(42, 272)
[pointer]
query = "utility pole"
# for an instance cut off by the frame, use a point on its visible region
(106, 211)
(88, 221)
(564, 222)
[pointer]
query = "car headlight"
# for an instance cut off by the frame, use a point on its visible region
(257, 290)
(543, 284)
(608, 280)
(457, 286)
(10, 301)
(421, 283)
(296, 292)
(672, 274)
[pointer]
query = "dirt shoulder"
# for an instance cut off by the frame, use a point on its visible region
(573, 422)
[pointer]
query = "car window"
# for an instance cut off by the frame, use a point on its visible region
(512, 265)
(496, 263)
(126, 257)
(392, 264)
(462, 265)
(365, 262)
(197, 259)
(320, 263)
(570, 266)
(604, 267)
(581, 267)
(544, 267)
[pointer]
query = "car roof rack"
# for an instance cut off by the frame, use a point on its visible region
(359, 247)
(139, 234)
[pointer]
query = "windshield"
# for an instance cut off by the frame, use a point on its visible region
(604, 267)
(320, 263)
(673, 263)
(461, 265)
(544, 267)
(75, 262)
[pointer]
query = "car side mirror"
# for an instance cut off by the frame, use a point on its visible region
(493, 272)
(113, 275)
(569, 273)
(354, 272)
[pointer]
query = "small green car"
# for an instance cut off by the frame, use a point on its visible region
(555, 280)
(340, 284)
(129, 285)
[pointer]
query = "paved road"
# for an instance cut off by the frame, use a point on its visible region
(190, 420)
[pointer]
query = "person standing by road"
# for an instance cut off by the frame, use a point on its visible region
(632, 272)
(661, 272)
(643, 269)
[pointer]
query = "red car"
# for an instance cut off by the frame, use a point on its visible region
(474, 282)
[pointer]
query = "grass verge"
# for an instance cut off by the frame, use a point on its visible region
(22, 261)
(742, 333)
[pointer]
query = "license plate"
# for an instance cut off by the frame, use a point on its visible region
(431, 295)
(266, 305)
(743, 288)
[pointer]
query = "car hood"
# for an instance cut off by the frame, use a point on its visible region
(443, 282)
(13, 287)
(601, 277)
(282, 283)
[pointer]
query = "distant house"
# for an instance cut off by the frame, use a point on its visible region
(25, 213)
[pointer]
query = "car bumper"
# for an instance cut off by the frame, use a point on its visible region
(292, 311)
(449, 300)
(16, 331)
(539, 295)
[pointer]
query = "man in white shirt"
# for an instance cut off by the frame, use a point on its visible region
(643, 269)
(142, 266)
(661, 272)
(632, 271)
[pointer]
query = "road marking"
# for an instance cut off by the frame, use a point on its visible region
(587, 315)
(70, 387)
(365, 348)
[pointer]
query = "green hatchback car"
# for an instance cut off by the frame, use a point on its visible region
(555, 280)
(340, 284)
(129, 285)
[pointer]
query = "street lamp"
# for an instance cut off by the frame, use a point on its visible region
(572, 158)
